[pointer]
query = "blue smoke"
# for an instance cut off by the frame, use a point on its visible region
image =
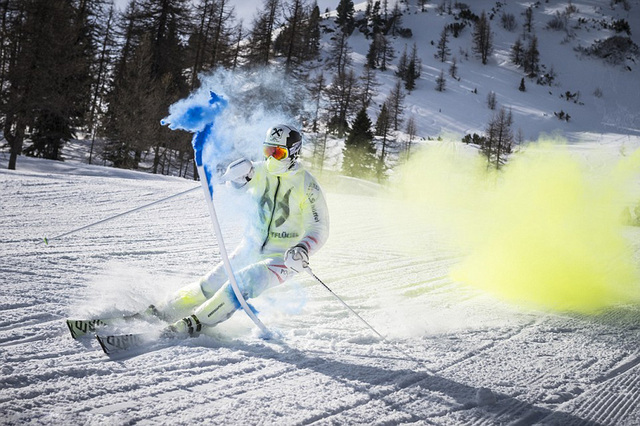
(198, 115)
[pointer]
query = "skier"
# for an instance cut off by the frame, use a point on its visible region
(291, 223)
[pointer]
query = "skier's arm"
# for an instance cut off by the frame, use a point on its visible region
(315, 216)
(239, 173)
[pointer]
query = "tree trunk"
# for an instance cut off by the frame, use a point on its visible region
(15, 141)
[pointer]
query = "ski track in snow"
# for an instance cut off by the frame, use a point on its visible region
(482, 362)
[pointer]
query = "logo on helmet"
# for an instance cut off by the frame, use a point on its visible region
(276, 136)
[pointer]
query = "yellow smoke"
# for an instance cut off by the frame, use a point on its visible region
(544, 232)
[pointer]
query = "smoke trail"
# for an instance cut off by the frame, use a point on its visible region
(245, 105)
(545, 232)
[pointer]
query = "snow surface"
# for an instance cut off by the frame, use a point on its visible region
(481, 361)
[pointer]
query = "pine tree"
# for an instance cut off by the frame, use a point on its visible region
(531, 60)
(340, 53)
(441, 82)
(384, 125)
(312, 34)
(528, 20)
(403, 62)
(453, 69)
(133, 103)
(517, 52)
(359, 150)
(499, 138)
(443, 48)
(413, 70)
(261, 34)
(345, 20)
(290, 42)
(47, 84)
(316, 90)
(411, 131)
(522, 87)
(212, 44)
(369, 84)
(491, 100)
(395, 102)
(482, 38)
(343, 95)
(101, 71)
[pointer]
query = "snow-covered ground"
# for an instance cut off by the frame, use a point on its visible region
(481, 361)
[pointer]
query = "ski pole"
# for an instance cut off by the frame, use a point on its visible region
(204, 180)
(46, 240)
(308, 269)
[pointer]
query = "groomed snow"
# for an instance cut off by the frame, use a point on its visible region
(481, 361)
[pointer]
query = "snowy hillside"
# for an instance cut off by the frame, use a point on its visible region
(606, 100)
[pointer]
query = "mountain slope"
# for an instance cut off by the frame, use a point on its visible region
(605, 101)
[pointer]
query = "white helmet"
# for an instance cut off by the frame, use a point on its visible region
(282, 146)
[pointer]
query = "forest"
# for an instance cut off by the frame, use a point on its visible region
(71, 68)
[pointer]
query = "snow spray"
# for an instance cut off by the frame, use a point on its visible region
(545, 231)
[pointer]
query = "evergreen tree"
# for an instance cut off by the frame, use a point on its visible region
(384, 125)
(369, 86)
(482, 38)
(453, 69)
(312, 34)
(517, 52)
(395, 102)
(149, 77)
(47, 82)
(291, 41)
(411, 131)
(413, 70)
(102, 70)
(212, 43)
(531, 60)
(343, 95)
(316, 90)
(345, 20)
(134, 102)
(522, 87)
(499, 138)
(491, 100)
(261, 34)
(394, 23)
(340, 53)
(528, 20)
(403, 63)
(359, 150)
(443, 48)
(441, 82)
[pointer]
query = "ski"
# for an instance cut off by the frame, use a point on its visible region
(80, 328)
(112, 344)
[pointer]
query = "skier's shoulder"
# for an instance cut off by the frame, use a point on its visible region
(310, 186)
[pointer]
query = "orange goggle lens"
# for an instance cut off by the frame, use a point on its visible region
(277, 152)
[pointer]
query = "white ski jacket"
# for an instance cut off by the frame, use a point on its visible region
(291, 210)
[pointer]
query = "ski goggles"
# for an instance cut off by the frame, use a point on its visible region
(276, 151)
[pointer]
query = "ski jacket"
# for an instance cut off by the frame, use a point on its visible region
(291, 210)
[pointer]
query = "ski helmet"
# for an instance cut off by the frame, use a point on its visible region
(283, 142)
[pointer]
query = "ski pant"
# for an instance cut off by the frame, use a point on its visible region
(212, 299)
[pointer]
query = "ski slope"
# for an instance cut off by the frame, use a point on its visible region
(481, 361)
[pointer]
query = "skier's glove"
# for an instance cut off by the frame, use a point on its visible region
(296, 258)
(239, 172)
